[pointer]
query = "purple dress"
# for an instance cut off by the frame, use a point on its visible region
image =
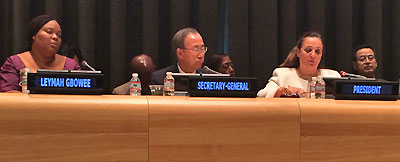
(9, 72)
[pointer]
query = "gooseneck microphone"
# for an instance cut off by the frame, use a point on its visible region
(87, 65)
(345, 74)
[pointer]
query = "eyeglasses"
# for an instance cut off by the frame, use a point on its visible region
(364, 58)
(197, 49)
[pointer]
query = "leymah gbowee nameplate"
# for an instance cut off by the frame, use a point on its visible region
(223, 86)
(65, 82)
(366, 90)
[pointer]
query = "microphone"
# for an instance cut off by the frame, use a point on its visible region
(206, 68)
(344, 74)
(87, 65)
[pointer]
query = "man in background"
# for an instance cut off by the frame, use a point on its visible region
(364, 61)
(144, 66)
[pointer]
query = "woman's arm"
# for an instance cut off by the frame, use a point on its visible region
(9, 77)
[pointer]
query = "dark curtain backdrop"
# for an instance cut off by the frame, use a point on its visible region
(258, 33)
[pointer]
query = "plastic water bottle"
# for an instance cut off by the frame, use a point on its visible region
(23, 76)
(319, 88)
(311, 87)
(135, 87)
(169, 85)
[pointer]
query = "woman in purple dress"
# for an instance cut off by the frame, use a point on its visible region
(44, 37)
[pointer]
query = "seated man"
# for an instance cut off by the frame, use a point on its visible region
(144, 66)
(190, 50)
(364, 61)
(221, 63)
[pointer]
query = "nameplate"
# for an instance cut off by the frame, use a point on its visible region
(366, 90)
(65, 82)
(223, 86)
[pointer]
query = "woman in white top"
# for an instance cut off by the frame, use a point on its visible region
(300, 66)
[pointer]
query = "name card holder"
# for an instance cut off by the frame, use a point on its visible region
(65, 82)
(366, 90)
(222, 86)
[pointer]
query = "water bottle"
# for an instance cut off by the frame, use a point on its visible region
(169, 85)
(23, 76)
(319, 88)
(135, 86)
(311, 87)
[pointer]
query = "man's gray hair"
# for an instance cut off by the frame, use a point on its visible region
(178, 41)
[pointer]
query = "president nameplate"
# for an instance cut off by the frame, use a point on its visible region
(366, 90)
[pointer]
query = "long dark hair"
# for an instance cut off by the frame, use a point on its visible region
(292, 61)
(35, 26)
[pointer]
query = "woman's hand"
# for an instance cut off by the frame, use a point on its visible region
(288, 90)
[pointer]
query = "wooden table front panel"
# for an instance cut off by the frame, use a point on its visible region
(223, 129)
(350, 131)
(74, 128)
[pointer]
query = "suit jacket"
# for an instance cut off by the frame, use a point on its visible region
(122, 89)
(157, 77)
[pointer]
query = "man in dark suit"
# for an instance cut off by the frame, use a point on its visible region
(190, 51)
(364, 61)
